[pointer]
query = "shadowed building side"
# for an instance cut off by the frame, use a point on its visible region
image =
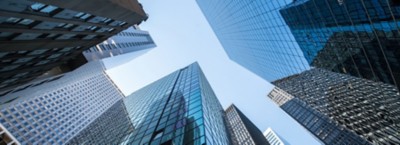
(243, 131)
(39, 35)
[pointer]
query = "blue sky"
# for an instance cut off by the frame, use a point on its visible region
(183, 36)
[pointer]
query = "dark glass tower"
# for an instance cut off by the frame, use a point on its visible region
(37, 36)
(180, 108)
(243, 131)
(255, 36)
(341, 109)
(356, 37)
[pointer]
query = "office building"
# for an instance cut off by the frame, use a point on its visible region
(273, 138)
(356, 37)
(129, 40)
(85, 107)
(56, 109)
(255, 36)
(180, 108)
(243, 131)
(37, 36)
(341, 109)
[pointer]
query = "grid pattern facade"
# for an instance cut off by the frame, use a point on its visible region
(254, 34)
(6, 138)
(55, 112)
(366, 108)
(172, 110)
(319, 125)
(109, 128)
(356, 37)
(243, 131)
(129, 40)
(38, 35)
(273, 138)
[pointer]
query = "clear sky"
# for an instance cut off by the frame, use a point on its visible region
(183, 36)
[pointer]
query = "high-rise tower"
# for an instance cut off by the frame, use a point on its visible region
(273, 138)
(37, 36)
(255, 36)
(180, 108)
(56, 109)
(243, 131)
(129, 40)
(84, 107)
(356, 37)
(341, 109)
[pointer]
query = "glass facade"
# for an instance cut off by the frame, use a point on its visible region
(178, 109)
(40, 35)
(84, 107)
(243, 131)
(129, 40)
(341, 109)
(254, 34)
(356, 37)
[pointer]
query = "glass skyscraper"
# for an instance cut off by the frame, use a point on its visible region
(279, 40)
(130, 40)
(38, 36)
(356, 37)
(341, 109)
(254, 34)
(84, 107)
(180, 108)
(273, 138)
(243, 131)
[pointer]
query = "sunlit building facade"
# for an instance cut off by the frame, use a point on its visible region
(273, 138)
(130, 40)
(41, 35)
(341, 109)
(254, 35)
(55, 110)
(180, 108)
(243, 131)
(356, 37)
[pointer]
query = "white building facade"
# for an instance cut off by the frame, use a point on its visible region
(273, 138)
(54, 110)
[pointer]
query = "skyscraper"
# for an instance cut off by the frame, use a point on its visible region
(180, 108)
(243, 131)
(273, 138)
(40, 35)
(341, 109)
(85, 107)
(255, 36)
(56, 109)
(129, 40)
(356, 37)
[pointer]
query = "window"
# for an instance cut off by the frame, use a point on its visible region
(84, 17)
(106, 20)
(12, 20)
(68, 26)
(36, 52)
(26, 21)
(61, 25)
(48, 9)
(158, 134)
(37, 6)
